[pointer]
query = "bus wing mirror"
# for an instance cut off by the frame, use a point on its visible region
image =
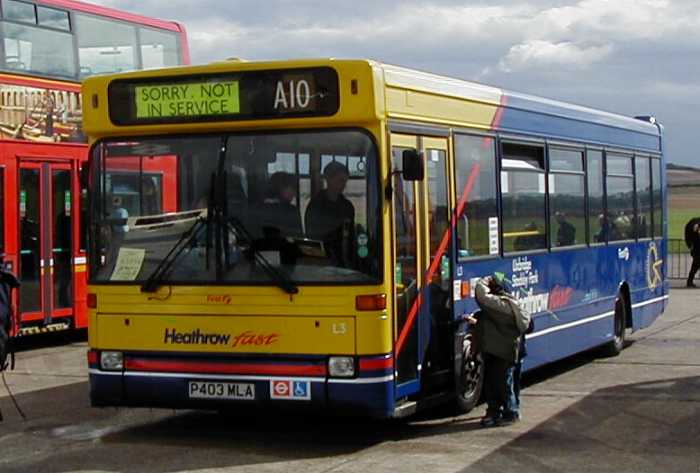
(413, 165)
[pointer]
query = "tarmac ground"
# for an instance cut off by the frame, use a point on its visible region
(638, 412)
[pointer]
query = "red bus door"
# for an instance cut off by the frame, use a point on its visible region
(45, 226)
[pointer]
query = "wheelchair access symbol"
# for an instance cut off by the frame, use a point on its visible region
(290, 390)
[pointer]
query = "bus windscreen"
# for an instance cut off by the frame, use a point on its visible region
(226, 96)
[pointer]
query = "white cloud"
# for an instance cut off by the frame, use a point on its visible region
(537, 53)
(628, 56)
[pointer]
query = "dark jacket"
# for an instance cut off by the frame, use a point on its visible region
(8, 282)
(502, 323)
(333, 223)
(276, 217)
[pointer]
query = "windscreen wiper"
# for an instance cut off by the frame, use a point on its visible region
(154, 280)
(283, 281)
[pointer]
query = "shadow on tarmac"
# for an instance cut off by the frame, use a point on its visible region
(653, 426)
(645, 427)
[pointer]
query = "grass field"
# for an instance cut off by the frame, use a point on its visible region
(683, 204)
(677, 218)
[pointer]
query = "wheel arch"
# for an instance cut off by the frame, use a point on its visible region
(624, 291)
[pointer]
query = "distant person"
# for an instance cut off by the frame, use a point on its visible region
(566, 234)
(692, 239)
(501, 326)
(277, 215)
(121, 214)
(330, 216)
(601, 236)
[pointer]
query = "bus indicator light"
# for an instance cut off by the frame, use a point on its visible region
(371, 302)
(91, 301)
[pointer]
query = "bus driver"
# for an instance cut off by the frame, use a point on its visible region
(330, 216)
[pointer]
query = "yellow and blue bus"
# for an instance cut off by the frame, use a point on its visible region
(329, 220)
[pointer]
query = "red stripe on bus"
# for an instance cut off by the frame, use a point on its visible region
(376, 363)
(461, 206)
(170, 366)
(499, 112)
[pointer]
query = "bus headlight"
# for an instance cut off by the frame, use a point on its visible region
(111, 360)
(341, 366)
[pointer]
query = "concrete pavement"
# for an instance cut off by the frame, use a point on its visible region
(639, 412)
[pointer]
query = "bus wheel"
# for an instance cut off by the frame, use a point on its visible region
(470, 379)
(617, 344)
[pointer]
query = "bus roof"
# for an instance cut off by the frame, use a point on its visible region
(523, 113)
(417, 80)
(440, 99)
(112, 13)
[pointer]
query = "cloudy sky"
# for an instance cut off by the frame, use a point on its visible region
(633, 57)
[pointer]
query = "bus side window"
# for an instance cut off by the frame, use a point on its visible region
(644, 197)
(475, 160)
(567, 210)
(656, 194)
(523, 189)
(620, 185)
(597, 222)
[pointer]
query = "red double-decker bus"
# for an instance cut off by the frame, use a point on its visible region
(47, 48)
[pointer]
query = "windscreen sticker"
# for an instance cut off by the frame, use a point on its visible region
(128, 265)
(493, 236)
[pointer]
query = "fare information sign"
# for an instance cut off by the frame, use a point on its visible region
(195, 99)
(225, 96)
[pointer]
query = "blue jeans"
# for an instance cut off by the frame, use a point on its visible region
(512, 404)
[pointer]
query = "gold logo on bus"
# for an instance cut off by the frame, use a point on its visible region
(223, 299)
(654, 265)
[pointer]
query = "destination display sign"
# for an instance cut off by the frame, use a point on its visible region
(227, 96)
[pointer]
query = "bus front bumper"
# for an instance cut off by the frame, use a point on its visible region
(371, 393)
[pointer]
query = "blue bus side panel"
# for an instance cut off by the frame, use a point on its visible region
(572, 293)
(548, 118)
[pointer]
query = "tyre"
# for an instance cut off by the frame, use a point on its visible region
(617, 344)
(470, 378)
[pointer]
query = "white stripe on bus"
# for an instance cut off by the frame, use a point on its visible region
(591, 319)
(382, 379)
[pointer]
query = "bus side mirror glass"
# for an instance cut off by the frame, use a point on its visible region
(413, 165)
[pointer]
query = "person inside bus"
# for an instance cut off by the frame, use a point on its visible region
(150, 200)
(277, 215)
(566, 233)
(500, 327)
(621, 227)
(601, 236)
(330, 216)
